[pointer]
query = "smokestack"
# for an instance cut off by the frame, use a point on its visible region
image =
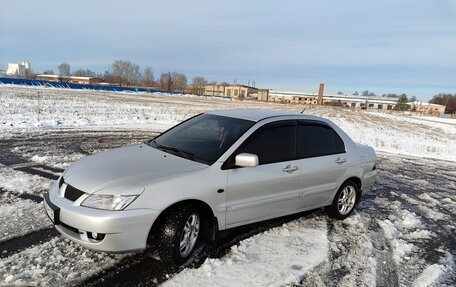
(320, 94)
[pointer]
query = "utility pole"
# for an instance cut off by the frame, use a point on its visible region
(38, 107)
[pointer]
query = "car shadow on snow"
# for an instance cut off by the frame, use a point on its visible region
(146, 269)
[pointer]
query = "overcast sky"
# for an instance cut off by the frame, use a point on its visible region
(384, 46)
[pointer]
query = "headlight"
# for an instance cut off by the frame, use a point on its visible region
(108, 202)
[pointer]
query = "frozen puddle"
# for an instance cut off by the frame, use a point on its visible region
(281, 255)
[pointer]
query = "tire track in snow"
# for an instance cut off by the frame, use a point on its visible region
(391, 166)
(26, 241)
(32, 197)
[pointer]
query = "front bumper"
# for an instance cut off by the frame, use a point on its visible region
(125, 230)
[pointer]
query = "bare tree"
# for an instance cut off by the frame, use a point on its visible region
(29, 74)
(198, 85)
(148, 77)
(64, 70)
(179, 81)
(340, 93)
(371, 94)
(225, 84)
(49, 72)
(83, 73)
(166, 82)
(126, 72)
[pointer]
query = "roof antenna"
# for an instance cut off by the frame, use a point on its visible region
(303, 110)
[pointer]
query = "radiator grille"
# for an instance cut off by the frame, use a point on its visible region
(72, 193)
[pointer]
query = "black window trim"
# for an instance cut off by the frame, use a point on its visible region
(229, 162)
(303, 122)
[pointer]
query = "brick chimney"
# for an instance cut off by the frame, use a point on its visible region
(320, 94)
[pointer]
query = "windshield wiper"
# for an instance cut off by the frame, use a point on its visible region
(176, 151)
(150, 142)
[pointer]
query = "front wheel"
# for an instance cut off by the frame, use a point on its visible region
(179, 235)
(345, 200)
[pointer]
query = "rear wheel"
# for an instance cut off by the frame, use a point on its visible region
(179, 235)
(345, 200)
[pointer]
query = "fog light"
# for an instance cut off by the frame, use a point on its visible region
(96, 236)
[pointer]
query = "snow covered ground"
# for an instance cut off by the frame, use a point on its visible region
(31, 108)
(402, 233)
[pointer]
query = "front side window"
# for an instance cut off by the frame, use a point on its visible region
(272, 143)
(203, 138)
(318, 140)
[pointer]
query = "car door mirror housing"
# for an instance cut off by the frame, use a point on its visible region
(246, 160)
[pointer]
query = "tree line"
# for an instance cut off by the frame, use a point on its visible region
(126, 73)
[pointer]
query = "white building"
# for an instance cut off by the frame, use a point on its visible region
(293, 97)
(18, 70)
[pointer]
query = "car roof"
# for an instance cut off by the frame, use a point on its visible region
(258, 115)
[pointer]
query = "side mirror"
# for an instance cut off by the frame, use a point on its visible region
(246, 160)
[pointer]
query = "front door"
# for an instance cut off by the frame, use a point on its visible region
(271, 188)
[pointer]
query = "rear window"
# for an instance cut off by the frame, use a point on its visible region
(318, 140)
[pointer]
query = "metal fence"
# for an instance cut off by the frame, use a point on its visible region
(65, 85)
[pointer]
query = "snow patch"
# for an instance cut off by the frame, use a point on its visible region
(20, 218)
(429, 276)
(279, 256)
(53, 263)
(21, 182)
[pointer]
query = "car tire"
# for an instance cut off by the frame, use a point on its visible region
(179, 235)
(345, 200)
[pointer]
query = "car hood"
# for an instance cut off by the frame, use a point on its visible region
(126, 170)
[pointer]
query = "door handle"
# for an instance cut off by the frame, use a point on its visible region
(340, 160)
(290, 168)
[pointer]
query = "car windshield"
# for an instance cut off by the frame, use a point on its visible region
(203, 138)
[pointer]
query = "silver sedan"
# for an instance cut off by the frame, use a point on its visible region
(214, 171)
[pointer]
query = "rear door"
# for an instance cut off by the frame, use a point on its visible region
(272, 187)
(323, 162)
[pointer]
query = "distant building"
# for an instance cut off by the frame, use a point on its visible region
(293, 97)
(427, 108)
(263, 95)
(70, 79)
(18, 70)
(2, 72)
(360, 102)
(240, 92)
(214, 90)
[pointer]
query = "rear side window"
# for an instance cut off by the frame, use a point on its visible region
(272, 143)
(318, 140)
